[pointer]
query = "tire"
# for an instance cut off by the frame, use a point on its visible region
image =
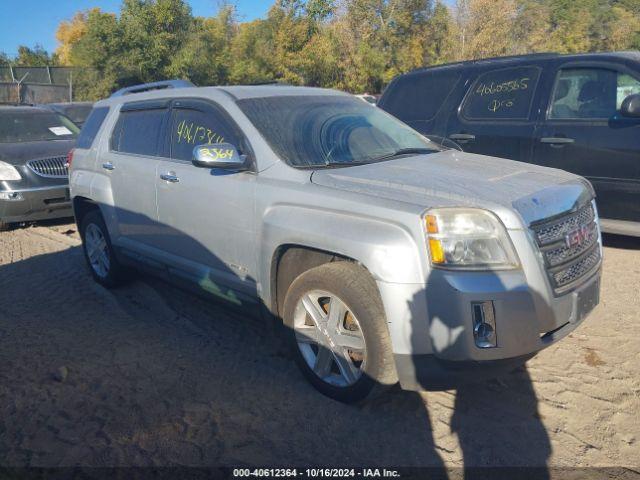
(5, 227)
(103, 265)
(355, 341)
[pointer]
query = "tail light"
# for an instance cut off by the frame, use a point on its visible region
(69, 159)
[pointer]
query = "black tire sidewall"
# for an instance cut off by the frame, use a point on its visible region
(358, 291)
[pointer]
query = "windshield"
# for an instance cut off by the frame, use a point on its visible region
(24, 126)
(329, 131)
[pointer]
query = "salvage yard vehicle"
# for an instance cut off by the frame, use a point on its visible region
(579, 113)
(34, 143)
(387, 257)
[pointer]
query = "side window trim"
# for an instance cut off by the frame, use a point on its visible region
(519, 120)
(605, 65)
(204, 105)
(140, 106)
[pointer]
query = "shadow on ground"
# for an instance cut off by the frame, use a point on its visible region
(158, 376)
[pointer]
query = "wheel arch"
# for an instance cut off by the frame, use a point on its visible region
(82, 206)
(291, 260)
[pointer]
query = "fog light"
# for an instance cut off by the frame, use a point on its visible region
(484, 324)
(11, 196)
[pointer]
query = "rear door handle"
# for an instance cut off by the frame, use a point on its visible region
(462, 137)
(169, 177)
(108, 166)
(557, 141)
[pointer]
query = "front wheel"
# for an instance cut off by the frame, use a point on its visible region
(337, 329)
(98, 251)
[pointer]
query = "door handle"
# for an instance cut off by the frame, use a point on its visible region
(108, 166)
(557, 141)
(169, 177)
(462, 137)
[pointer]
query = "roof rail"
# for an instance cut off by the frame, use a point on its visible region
(145, 87)
(488, 59)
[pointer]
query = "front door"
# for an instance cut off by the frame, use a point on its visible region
(583, 133)
(498, 114)
(207, 215)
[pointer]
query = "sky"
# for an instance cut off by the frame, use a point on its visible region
(31, 22)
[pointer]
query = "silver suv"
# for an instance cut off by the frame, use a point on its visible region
(387, 257)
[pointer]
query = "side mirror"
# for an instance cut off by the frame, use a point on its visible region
(219, 155)
(630, 107)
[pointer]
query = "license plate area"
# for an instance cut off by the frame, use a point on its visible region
(587, 299)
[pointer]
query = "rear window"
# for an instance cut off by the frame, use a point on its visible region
(91, 127)
(137, 131)
(77, 113)
(416, 97)
(504, 94)
(35, 126)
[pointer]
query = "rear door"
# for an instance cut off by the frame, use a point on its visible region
(583, 133)
(130, 163)
(498, 114)
(207, 215)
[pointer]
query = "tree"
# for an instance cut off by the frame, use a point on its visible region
(34, 57)
(69, 33)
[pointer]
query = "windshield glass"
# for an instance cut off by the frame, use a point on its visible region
(23, 126)
(323, 131)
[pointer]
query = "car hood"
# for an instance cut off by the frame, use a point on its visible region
(453, 178)
(19, 153)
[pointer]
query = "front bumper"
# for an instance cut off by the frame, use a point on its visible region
(431, 325)
(32, 204)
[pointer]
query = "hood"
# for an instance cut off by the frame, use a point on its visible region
(19, 153)
(453, 178)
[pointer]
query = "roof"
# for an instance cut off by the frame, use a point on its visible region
(633, 55)
(68, 104)
(24, 108)
(237, 92)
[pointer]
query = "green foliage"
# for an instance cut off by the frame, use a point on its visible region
(355, 45)
(34, 57)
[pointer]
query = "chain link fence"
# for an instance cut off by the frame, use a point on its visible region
(36, 84)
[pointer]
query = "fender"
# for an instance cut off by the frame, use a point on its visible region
(387, 250)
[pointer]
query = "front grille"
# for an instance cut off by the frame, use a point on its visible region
(50, 167)
(569, 246)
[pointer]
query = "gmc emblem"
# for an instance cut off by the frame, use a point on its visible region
(577, 237)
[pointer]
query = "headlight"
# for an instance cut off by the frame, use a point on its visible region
(8, 172)
(468, 238)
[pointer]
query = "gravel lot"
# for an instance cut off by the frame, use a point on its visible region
(150, 375)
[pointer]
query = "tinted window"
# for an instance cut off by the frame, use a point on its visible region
(504, 94)
(91, 127)
(419, 96)
(322, 131)
(590, 93)
(137, 131)
(18, 126)
(77, 113)
(190, 127)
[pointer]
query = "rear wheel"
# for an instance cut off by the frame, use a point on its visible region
(5, 226)
(98, 251)
(337, 329)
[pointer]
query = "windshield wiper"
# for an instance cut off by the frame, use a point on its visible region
(404, 151)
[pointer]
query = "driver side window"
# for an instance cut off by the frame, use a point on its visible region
(590, 93)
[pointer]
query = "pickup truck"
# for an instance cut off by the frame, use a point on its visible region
(387, 257)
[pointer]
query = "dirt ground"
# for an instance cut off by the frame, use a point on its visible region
(150, 375)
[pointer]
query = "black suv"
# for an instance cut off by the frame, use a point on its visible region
(34, 184)
(579, 113)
